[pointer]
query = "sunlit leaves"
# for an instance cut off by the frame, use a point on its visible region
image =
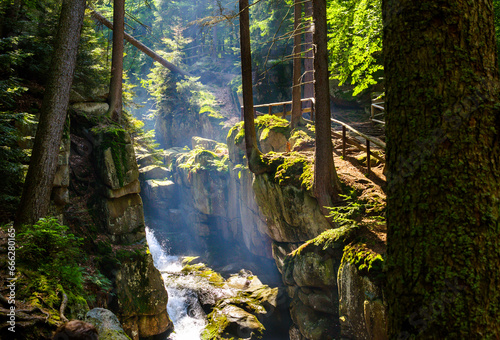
(355, 42)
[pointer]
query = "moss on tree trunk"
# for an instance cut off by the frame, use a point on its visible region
(443, 159)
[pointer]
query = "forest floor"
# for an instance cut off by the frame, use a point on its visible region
(353, 172)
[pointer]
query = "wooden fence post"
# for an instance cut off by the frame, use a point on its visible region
(344, 133)
(368, 160)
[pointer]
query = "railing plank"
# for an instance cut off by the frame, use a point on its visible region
(374, 140)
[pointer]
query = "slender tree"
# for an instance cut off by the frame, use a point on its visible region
(326, 186)
(443, 159)
(35, 199)
(252, 150)
(115, 87)
(297, 69)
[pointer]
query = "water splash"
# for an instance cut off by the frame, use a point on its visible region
(183, 306)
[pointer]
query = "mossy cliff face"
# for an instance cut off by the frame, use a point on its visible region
(336, 287)
(208, 195)
(175, 128)
(280, 200)
(361, 304)
(105, 203)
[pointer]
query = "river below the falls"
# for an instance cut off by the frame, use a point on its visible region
(183, 307)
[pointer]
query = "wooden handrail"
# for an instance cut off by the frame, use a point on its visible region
(374, 140)
(284, 104)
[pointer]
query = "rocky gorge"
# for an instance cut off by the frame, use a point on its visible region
(203, 201)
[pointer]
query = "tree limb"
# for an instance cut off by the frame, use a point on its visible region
(149, 52)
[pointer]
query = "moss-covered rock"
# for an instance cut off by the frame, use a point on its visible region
(115, 156)
(107, 324)
(141, 296)
(292, 214)
(361, 303)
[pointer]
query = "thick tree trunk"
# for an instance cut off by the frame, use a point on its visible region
(35, 199)
(326, 184)
(309, 55)
(443, 157)
(297, 70)
(140, 46)
(252, 150)
(115, 87)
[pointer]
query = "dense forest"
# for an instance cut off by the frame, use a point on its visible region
(273, 169)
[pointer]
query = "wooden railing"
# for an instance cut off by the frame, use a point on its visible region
(377, 110)
(369, 139)
(284, 112)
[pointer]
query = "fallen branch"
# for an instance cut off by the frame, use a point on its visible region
(149, 52)
(64, 303)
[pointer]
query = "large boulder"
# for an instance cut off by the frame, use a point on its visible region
(107, 324)
(141, 295)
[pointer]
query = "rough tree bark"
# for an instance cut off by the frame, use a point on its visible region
(297, 69)
(35, 199)
(150, 53)
(309, 55)
(443, 158)
(115, 86)
(326, 186)
(252, 151)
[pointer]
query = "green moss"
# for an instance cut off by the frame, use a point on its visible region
(366, 261)
(328, 242)
(201, 270)
(202, 159)
(263, 124)
(115, 138)
(301, 137)
(217, 324)
(295, 169)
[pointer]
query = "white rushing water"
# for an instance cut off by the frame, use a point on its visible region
(183, 306)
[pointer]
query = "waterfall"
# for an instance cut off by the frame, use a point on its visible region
(183, 306)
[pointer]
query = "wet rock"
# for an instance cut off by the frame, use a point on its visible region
(281, 251)
(204, 143)
(107, 324)
(312, 324)
(115, 156)
(153, 172)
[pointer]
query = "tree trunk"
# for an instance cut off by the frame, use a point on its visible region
(214, 35)
(297, 71)
(443, 157)
(115, 87)
(326, 184)
(35, 199)
(140, 46)
(252, 151)
(309, 55)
